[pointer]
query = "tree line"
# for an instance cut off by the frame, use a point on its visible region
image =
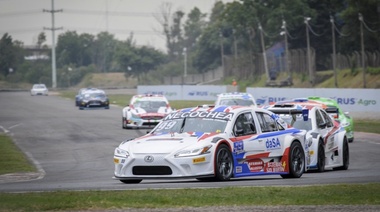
(238, 30)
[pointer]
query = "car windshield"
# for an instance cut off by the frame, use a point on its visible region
(242, 102)
(95, 95)
(191, 125)
(194, 121)
(38, 86)
(150, 105)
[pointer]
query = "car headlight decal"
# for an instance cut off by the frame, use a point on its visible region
(194, 152)
(121, 153)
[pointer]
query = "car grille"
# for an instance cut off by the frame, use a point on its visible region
(151, 170)
(151, 117)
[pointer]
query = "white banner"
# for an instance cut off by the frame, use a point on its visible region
(353, 100)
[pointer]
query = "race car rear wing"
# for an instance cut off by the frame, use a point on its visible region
(288, 109)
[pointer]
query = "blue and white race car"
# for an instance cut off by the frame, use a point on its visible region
(145, 110)
(213, 143)
(326, 138)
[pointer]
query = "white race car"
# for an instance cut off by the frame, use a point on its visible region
(145, 111)
(236, 98)
(326, 138)
(39, 89)
(213, 143)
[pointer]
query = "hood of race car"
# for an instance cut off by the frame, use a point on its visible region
(167, 143)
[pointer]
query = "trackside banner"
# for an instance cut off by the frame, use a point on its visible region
(184, 92)
(355, 100)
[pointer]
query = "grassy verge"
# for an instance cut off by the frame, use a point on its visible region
(357, 194)
(11, 158)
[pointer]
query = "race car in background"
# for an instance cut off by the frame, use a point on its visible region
(94, 98)
(342, 116)
(145, 110)
(326, 138)
(213, 143)
(235, 98)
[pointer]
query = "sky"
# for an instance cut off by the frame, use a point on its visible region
(24, 20)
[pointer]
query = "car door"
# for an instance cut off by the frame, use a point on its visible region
(272, 136)
(328, 131)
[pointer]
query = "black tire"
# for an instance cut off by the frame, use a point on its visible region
(351, 140)
(296, 161)
(223, 163)
(123, 125)
(321, 161)
(346, 156)
(131, 181)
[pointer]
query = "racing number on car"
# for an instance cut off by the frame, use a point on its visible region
(166, 125)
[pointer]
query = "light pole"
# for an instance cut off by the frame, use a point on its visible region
(362, 45)
(286, 50)
(184, 62)
(334, 51)
(307, 19)
(222, 52)
(264, 53)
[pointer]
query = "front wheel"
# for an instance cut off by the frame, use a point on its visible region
(223, 163)
(296, 161)
(321, 157)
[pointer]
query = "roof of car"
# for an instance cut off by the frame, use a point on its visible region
(235, 95)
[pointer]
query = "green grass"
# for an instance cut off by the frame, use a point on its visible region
(353, 194)
(11, 158)
(371, 126)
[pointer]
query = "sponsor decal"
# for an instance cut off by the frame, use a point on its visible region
(275, 167)
(199, 160)
(255, 165)
(272, 144)
(198, 93)
(199, 114)
(238, 147)
(239, 169)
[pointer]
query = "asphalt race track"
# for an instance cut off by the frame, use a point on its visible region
(73, 150)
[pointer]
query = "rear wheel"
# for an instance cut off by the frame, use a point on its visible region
(321, 157)
(296, 161)
(345, 156)
(131, 181)
(223, 163)
(123, 124)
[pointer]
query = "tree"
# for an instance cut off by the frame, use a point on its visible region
(11, 54)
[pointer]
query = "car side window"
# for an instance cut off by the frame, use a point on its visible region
(319, 119)
(327, 119)
(244, 125)
(267, 123)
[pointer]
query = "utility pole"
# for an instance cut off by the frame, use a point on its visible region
(334, 51)
(311, 76)
(222, 53)
(185, 62)
(264, 52)
(287, 62)
(53, 64)
(362, 44)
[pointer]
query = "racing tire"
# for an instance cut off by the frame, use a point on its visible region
(81, 108)
(296, 161)
(131, 181)
(321, 161)
(223, 163)
(345, 157)
(351, 140)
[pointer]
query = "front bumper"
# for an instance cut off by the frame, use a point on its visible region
(163, 166)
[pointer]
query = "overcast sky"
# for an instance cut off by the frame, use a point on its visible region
(25, 19)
